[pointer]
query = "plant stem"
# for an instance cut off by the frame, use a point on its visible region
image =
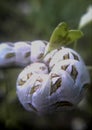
(89, 68)
(75, 45)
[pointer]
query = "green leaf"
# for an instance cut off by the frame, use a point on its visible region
(57, 37)
(73, 35)
(62, 36)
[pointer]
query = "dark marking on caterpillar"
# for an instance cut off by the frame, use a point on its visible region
(30, 105)
(21, 82)
(48, 61)
(27, 54)
(9, 55)
(34, 88)
(40, 56)
(66, 56)
(45, 42)
(55, 86)
(39, 79)
(64, 67)
(62, 104)
(29, 75)
(74, 72)
(53, 75)
(75, 56)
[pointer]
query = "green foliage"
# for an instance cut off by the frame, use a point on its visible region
(62, 36)
(36, 19)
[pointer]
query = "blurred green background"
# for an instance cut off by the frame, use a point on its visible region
(24, 20)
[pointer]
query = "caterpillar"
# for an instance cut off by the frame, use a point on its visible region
(47, 83)
(21, 53)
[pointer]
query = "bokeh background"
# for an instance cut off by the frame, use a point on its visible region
(27, 20)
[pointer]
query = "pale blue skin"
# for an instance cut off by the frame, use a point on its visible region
(35, 82)
(21, 53)
(4, 50)
(35, 95)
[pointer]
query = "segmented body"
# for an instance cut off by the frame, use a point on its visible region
(49, 83)
(21, 53)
